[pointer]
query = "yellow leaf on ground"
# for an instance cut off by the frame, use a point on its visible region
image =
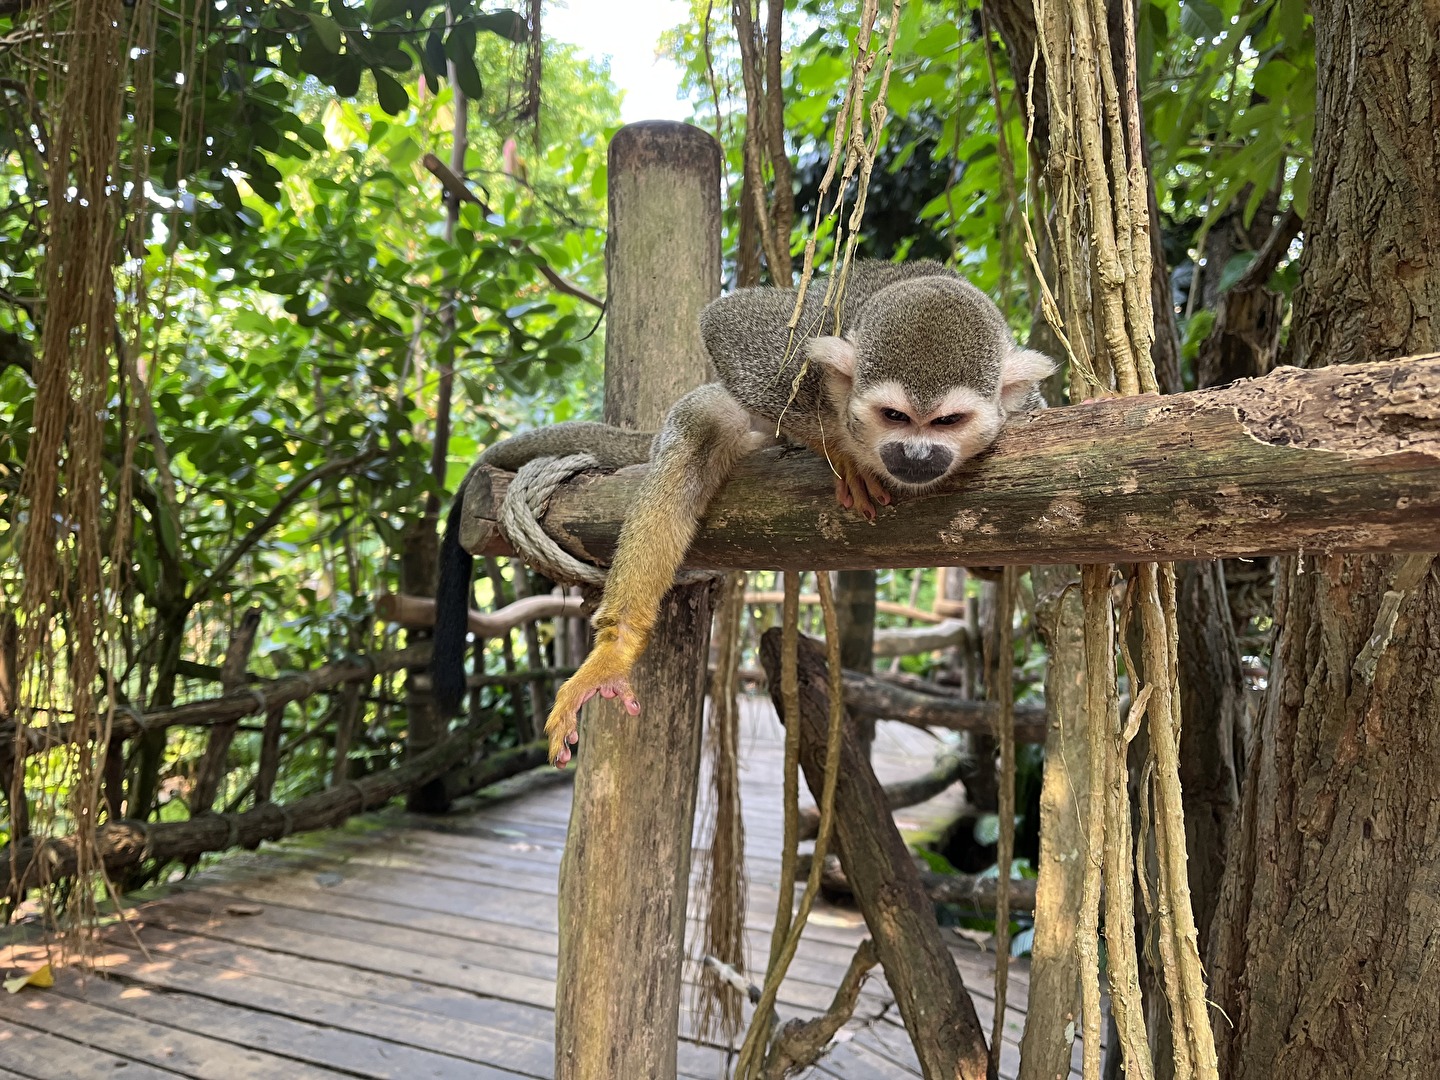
(41, 977)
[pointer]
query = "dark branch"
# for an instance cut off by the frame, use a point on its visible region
(1271, 252)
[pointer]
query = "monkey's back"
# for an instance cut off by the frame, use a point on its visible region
(747, 336)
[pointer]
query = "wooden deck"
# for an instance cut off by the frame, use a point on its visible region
(410, 948)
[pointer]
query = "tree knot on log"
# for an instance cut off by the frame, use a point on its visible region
(1365, 411)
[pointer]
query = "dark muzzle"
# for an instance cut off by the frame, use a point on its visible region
(916, 463)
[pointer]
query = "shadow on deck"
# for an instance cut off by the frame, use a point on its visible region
(413, 947)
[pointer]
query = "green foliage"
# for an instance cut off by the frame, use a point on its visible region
(1230, 104)
(300, 294)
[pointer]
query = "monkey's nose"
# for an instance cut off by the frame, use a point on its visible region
(916, 463)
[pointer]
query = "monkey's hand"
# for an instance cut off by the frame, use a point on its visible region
(606, 672)
(858, 490)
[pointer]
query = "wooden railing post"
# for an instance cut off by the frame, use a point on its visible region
(625, 875)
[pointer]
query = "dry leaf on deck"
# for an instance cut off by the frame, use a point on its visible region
(41, 977)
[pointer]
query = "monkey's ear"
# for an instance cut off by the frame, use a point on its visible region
(1020, 376)
(835, 353)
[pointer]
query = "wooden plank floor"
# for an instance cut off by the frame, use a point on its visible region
(410, 947)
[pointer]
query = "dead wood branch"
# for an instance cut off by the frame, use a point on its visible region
(936, 1008)
(799, 1044)
(420, 611)
(970, 890)
(870, 696)
(947, 771)
(885, 607)
(233, 706)
(1337, 459)
(262, 697)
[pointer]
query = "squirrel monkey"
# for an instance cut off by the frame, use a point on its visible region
(921, 380)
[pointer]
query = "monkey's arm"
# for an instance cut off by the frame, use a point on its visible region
(612, 447)
(705, 434)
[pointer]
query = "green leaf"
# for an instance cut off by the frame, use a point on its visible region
(937, 863)
(510, 25)
(327, 30)
(392, 96)
(347, 77)
(386, 10)
(1201, 19)
(435, 46)
(467, 78)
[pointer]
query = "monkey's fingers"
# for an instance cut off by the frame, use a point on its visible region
(876, 489)
(605, 672)
(851, 489)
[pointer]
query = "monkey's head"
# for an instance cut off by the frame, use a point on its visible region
(925, 379)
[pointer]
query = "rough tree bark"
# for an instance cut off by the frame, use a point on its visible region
(855, 609)
(1325, 956)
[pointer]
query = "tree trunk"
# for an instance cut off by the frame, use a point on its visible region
(1325, 957)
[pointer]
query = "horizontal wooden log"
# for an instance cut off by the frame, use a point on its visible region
(914, 640)
(947, 771)
(1343, 458)
(265, 695)
(484, 769)
(884, 607)
(236, 705)
(868, 696)
(420, 611)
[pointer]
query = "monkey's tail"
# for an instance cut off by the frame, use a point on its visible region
(452, 614)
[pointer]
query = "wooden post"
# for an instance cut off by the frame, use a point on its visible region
(625, 875)
(425, 725)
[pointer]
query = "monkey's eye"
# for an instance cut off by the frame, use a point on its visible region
(950, 420)
(895, 416)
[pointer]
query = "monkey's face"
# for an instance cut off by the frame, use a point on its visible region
(926, 379)
(915, 445)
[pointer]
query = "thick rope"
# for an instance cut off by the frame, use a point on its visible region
(525, 503)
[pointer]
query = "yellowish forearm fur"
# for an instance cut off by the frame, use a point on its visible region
(703, 437)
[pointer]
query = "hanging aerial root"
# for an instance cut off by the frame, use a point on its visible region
(722, 890)
(752, 1054)
(1004, 686)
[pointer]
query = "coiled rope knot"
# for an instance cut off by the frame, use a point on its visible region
(525, 503)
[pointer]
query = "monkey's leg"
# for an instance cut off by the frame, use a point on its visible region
(706, 432)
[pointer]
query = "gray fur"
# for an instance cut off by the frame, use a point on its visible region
(746, 335)
(918, 323)
(613, 447)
